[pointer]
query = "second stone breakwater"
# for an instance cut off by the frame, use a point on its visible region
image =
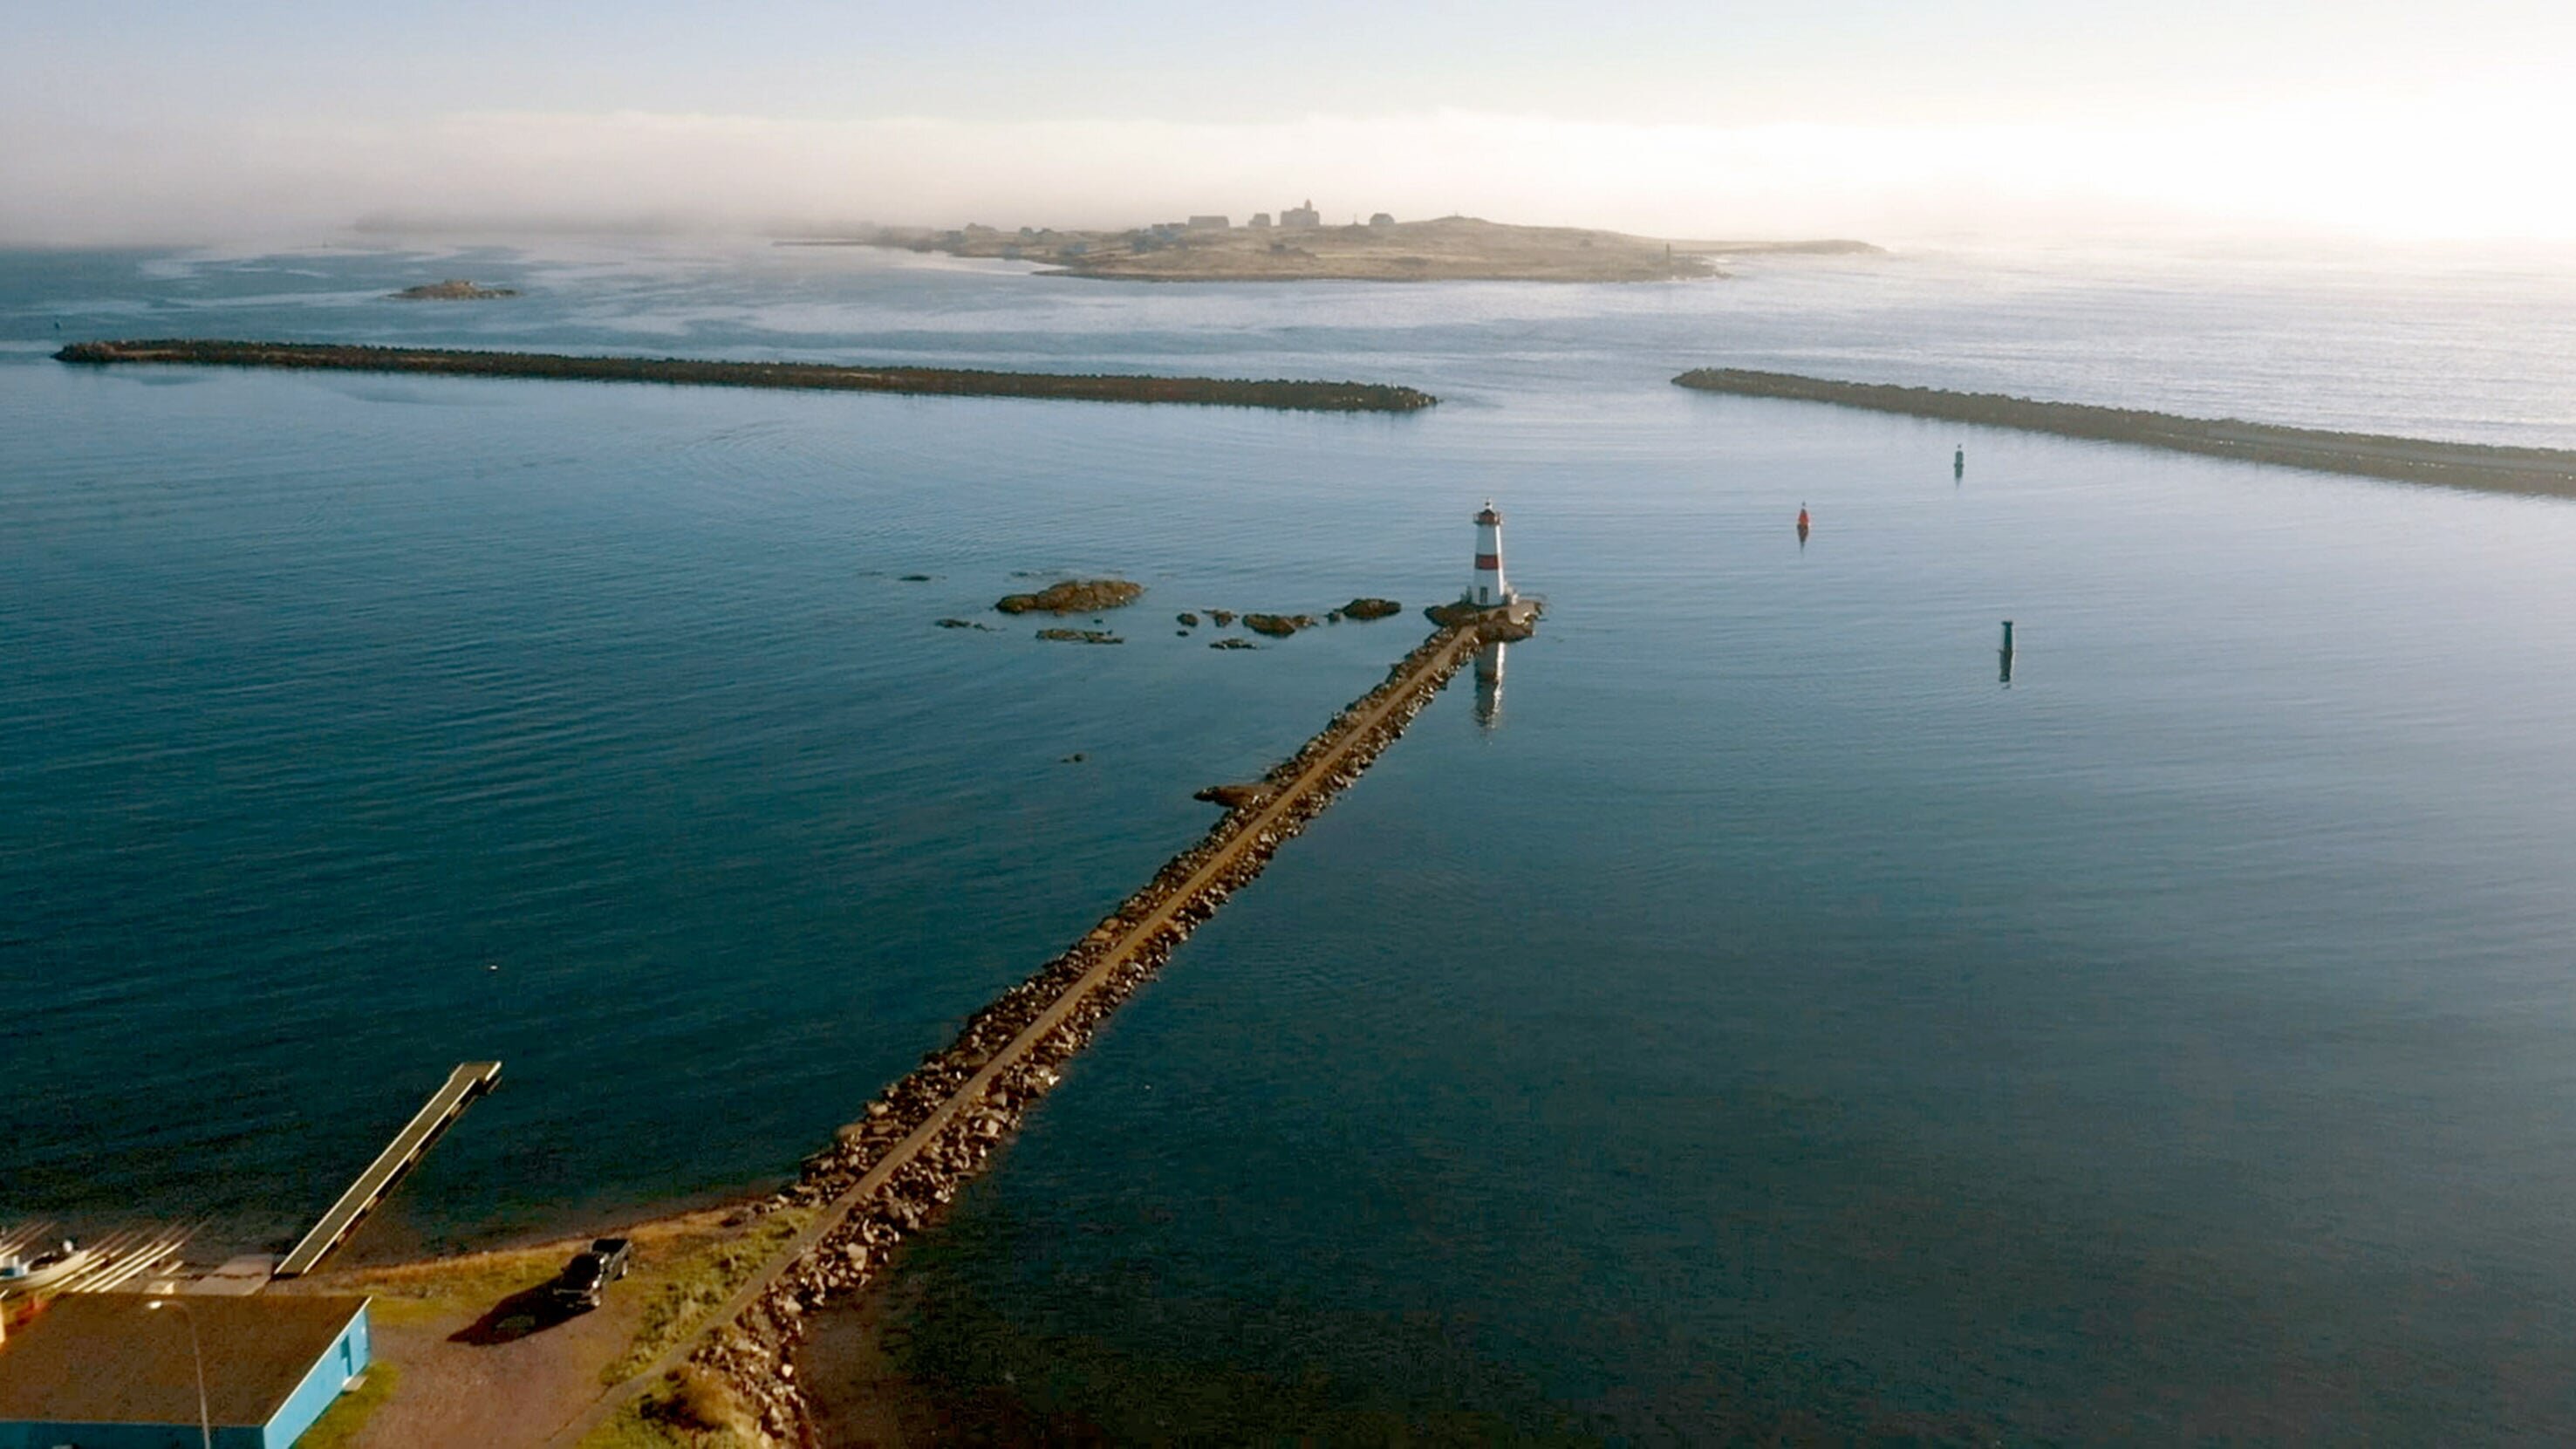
(2373, 455)
(923, 1137)
(1289, 394)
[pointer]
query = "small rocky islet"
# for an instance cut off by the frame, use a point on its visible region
(1073, 596)
(454, 289)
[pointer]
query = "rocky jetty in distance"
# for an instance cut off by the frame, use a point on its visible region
(1331, 397)
(2372, 455)
(454, 289)
(1073, 596)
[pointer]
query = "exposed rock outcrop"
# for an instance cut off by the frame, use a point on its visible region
(454, 289)
(1073, 596)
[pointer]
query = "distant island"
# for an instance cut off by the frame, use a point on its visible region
(1298, 247)
(1344, 397)
(454, 289)
(2372, 455)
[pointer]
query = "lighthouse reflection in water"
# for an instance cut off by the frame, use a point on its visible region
(1489, 686)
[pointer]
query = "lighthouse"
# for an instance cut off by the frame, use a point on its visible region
(1488, 589)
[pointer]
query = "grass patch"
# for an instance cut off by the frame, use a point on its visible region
(699, 1278)
(340, 1423)
(686, 1410)
(440, 1289)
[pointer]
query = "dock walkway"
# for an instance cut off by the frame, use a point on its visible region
(469, 1081)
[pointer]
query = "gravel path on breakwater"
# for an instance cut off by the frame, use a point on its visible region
(927, 1133)
(2412, 460)
(1342, 397)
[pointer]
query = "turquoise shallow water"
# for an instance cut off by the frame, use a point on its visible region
(1774, 1020)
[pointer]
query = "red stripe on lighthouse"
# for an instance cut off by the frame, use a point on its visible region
(1489, 561)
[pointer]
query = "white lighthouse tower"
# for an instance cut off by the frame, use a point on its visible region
(1488, 589)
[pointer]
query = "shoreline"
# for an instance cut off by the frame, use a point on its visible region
(1283, 394)
(2486, 467)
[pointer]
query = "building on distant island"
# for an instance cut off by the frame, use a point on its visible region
(1382, 219)
(1302, 218)
(1210, 223)
(120, 1370)
(1260, 221)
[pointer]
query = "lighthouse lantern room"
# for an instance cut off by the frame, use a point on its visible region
(1488, 589)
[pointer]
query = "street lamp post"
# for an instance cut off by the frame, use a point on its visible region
(196, 1348)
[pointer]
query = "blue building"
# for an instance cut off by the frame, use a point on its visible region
(109, 1371)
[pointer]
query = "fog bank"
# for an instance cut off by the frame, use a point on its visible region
(2470, 174)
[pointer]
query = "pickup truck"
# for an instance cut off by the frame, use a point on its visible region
(586, 1278)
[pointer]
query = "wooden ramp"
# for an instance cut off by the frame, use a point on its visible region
(469, 1081)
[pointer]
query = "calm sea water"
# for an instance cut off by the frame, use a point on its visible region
(1770, 1022)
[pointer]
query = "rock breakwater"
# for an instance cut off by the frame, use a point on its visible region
(889, 1171)
(2373, 455)
(1301, 396)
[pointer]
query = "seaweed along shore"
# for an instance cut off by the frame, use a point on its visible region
(1343, 397)
(925, 1135)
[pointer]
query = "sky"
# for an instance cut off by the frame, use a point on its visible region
(141, 120)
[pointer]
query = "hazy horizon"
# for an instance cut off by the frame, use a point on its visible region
(1982, 118)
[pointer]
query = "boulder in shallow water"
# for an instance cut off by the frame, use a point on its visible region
(1372, 609)
(1073, 596)
(1080, 636)
(1278, 626)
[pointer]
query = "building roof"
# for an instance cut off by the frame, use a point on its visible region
(103, 1358)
